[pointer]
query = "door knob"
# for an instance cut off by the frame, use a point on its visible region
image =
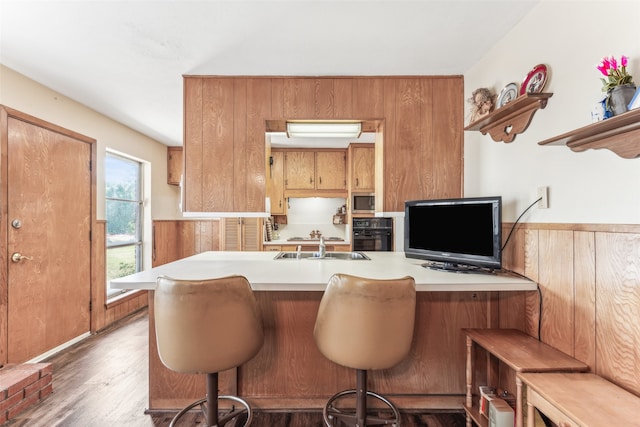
(17, 257)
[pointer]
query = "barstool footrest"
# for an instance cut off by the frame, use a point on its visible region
(330, 412)
(233, 413)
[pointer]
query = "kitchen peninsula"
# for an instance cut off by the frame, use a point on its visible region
(290, 373)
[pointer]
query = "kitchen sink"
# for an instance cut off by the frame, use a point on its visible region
(328, 255)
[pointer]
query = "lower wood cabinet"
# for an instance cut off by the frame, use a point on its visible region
(241, 234)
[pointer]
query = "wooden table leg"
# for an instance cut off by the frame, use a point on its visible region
(531, 418)
(519, 408)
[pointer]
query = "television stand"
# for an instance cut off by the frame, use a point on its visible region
(457, 268)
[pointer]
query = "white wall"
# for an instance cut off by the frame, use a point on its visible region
(25, 95)
(570, 37)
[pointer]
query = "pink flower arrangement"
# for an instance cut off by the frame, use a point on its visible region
(615, 76)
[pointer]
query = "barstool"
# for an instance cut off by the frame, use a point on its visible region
(208, 326)
(365, 324)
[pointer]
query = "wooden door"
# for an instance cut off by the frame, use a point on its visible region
(49, 224)
(299, 167)
(331, 170)
(363, 167)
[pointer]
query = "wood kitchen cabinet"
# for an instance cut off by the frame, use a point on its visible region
(315, 170)
(241, 234)
(174, 165)
(299, 170)
(362, 167)
(331, 170)
(276, 184)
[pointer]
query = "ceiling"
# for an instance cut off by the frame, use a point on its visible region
(126, 59)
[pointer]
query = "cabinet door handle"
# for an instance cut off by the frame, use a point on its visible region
(320, 180)
(310, 180)
(357, 182)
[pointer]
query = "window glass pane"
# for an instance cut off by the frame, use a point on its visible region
(122, 178)
(122, 222)
(122, 261)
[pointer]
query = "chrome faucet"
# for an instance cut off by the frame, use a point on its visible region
(322, 249)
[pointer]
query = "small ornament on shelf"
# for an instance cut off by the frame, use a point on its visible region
(618, 84)
(483, 102)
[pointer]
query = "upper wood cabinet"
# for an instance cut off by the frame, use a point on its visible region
(420, 121)
(174, 165)
(299, 170)
(362, 167)
(276, 184)
(331, 170)
(315, 170)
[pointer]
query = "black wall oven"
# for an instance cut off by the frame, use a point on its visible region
(372, 234)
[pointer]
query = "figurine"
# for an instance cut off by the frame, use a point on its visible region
(483, 102)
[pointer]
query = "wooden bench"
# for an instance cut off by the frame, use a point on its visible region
(579, 400)
(520, 352)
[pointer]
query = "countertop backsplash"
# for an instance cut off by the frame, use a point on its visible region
(305, 215)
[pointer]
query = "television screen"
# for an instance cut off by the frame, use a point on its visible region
(455, 234)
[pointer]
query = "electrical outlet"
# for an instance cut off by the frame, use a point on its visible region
(543, 195)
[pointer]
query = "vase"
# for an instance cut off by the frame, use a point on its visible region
(619, 98)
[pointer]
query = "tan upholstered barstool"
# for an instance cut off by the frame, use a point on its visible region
(365, 324)
(204, 327)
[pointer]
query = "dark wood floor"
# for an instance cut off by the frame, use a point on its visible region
(102, 381)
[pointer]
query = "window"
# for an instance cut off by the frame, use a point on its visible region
(123, 213)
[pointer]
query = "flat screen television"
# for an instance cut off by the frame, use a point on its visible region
(460, 235)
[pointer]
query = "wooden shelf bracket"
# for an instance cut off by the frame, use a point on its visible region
(512, 119)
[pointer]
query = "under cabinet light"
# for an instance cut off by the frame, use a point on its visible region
(324, 129)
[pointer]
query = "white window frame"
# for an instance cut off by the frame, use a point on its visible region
(139, 244)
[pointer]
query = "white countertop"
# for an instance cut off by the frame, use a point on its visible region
(266, 274)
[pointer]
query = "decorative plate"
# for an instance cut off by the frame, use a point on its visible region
(535, 80)
(508, 94)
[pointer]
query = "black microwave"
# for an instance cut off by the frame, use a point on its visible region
(363, 203)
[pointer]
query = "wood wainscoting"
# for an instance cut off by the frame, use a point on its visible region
(589, 279)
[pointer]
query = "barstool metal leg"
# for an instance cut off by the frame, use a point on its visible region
(209, 407)
(335, 417)
(212, 399)
(361, 398)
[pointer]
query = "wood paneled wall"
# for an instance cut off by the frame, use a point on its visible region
(176, 239)
(421, 137)
(589, 278)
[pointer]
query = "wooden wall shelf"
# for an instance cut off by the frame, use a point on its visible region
(511, 119)
(620, 134)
